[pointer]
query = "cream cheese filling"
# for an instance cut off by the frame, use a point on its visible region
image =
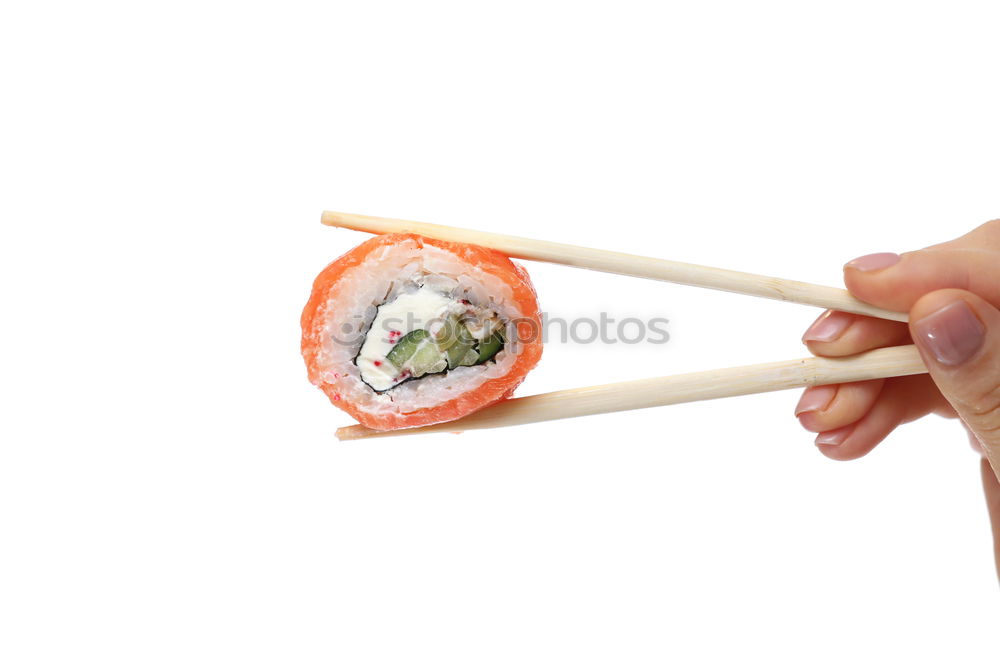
(424, 308)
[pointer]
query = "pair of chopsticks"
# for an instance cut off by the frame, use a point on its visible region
(652, 392)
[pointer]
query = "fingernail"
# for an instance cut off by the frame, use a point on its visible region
(880, 260)
(836, 437)
(952, 334)
(815, 398)
(828, 327)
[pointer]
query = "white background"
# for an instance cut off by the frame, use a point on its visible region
(170, 488)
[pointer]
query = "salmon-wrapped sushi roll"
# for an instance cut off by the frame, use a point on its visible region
(407, 331)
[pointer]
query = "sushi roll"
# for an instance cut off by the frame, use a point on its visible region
(406, 331)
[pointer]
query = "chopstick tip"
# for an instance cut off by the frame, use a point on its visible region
(345, 433)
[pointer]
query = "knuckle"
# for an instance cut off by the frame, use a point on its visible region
(983, 410)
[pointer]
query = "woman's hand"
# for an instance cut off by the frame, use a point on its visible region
(952, 293)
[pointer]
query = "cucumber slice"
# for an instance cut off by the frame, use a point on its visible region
(416, 352)
(489, 347)
(470, 358)
(419, 352)
(406, 347)
(460, 347)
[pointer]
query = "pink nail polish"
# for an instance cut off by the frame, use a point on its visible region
(835, 437)
(830, 326)
(815, 398)
(952, 334)
(876, 262)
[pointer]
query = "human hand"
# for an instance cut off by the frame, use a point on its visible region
(952, 293)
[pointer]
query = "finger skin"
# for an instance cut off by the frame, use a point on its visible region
(968, 263)
(862, 333)
(985, 236)
(863, 397)
(991, 487)
(901, 400)
(850, 403)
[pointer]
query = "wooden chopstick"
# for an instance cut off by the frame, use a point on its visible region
(669, 390)
(629, 265)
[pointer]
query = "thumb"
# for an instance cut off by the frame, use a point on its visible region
(958, 334)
